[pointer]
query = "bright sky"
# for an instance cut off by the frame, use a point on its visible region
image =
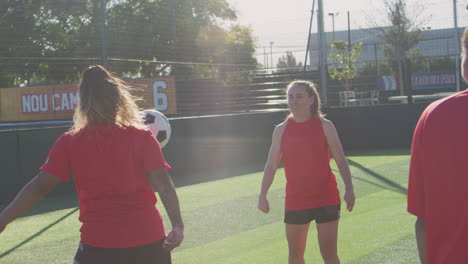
(287, 24)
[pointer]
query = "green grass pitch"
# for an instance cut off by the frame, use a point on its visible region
(222, 224)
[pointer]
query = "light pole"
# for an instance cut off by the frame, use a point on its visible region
(349, 37)
(271, 53)
(308, 37)
(102, 14)
(333, 22)
(322, 53)
(457, 41)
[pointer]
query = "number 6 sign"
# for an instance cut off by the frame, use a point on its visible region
(160, 97)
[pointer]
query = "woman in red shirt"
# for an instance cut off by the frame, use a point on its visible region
(115, 161)
(305, 141)
(438, 176)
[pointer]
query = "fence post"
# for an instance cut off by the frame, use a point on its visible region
(102, 15)
(246, 93)
(408, 82)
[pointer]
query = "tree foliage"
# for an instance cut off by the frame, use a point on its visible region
(233, 50)
(401, 33)
(369, 72)
(343, 65)
(53, 40)
(287, 63)
(441, 64)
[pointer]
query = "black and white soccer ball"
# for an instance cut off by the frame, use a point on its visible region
(158, 123)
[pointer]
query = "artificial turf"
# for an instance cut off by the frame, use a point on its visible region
(222, 224)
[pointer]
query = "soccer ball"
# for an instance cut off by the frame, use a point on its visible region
(158, 123)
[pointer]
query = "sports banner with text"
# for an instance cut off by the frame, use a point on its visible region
(57, 102)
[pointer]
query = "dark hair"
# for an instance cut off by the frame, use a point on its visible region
(105, 100)
(311, 90)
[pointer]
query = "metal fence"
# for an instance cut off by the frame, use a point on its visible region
(53, 46)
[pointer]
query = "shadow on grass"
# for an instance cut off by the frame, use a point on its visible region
(378, 152)
(215, 174)
(389, 183)
(37, 234)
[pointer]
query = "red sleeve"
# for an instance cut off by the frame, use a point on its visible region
(57, 162)
(416, 203)
(153, 157)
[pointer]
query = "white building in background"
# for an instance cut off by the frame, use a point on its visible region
(437, 42)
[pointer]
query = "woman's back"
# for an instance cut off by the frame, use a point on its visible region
(115, 162)
(109, 166)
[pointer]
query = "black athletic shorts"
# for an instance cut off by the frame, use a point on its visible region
(147, 254)
(321, 215)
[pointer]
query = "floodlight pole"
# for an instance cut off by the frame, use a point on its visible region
(333, 23)
(349, 37)
(322, 53)
(173, 24)
(308, 37)
(102, 14)
(457, 42)
(271, 54)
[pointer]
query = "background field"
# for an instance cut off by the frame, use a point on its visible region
(224, 226)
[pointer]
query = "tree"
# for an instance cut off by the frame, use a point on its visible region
(18, 30)
(401, 33)
(418, 61)
(342, 65)
(231, 51)
(40, 33)
(441, 64)
(369, 73)
(143, 30)
(287, 63)
(42, 36)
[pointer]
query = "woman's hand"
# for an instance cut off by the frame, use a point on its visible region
(349, 199)
(263, 204)
(174, 238)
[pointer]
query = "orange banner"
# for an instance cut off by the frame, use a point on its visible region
(57, 102)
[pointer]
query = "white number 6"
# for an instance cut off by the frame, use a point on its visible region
(159, 98)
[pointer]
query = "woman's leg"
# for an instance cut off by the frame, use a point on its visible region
(327, 237)
(297, 239)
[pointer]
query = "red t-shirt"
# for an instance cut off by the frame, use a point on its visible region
(109, 164)
(310, 182)
(438, 179)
